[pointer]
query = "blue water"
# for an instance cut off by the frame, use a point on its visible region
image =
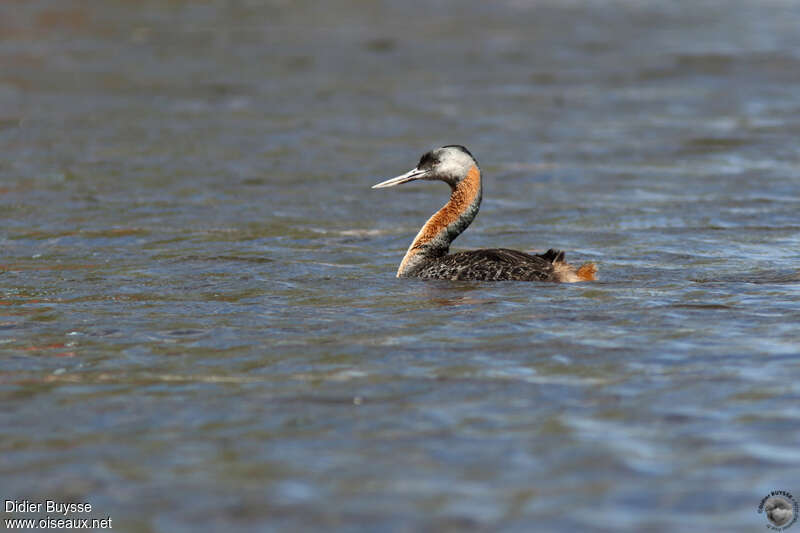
(200, 327)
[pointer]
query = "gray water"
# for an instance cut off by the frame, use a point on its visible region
(200, 327)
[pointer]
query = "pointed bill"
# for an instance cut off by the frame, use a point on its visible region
(411, 175)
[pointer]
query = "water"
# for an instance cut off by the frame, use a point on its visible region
(200, 326)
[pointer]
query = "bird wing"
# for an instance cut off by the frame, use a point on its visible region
(506, 256)
(494, 264)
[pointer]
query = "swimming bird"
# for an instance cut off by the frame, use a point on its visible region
(428, 256)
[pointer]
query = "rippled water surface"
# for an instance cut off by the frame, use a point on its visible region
(200, 327)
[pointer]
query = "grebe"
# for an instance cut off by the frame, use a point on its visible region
(428, 257)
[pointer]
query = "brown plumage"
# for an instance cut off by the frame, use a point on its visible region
(496, 264)
(428, 256)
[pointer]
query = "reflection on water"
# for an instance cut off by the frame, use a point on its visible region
(199, 320)
(766, 277)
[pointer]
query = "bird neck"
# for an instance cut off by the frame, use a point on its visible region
(434, 239)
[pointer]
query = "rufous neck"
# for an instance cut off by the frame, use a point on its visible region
(434, 239)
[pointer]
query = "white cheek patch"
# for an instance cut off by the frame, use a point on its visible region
(454, 164)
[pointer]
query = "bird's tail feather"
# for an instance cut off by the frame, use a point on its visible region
(587, 272)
